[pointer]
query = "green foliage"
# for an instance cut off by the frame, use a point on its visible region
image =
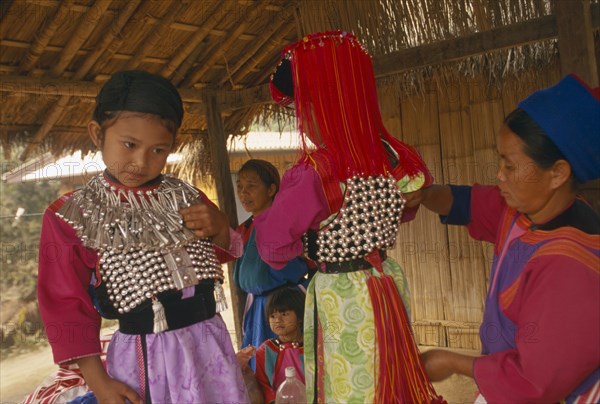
(20, 237)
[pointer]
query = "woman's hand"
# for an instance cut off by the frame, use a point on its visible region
(207, 221)
(441, 364)
(244, 355)
(414, 198)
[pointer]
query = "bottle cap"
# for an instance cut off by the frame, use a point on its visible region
(290, 371)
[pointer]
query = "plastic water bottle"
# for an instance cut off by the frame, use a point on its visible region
(291, 391)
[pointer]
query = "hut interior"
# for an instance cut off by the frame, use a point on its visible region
(447, 73)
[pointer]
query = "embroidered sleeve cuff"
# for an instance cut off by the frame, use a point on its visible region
(460, 213)
(235, 250)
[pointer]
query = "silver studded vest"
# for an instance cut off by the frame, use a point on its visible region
(143, 246)
(368, 220)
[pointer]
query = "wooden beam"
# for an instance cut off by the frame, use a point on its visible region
(157, 33)
(460, 48)
(262, 45)
(85, 27)
(538, 29)
(231, 100)
(265, 49)
(240, 25)
(194, 40)
(43, 36)
(226, 195)
(57, 109)
(576, 40)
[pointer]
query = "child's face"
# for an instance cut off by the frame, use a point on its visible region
(135, 148)
(286, 325)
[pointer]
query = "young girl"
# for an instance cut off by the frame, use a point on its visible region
(285, 310)
(257, 185)
(120, 248)
(341, 205)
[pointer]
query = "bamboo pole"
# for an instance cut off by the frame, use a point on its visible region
(192, 43)
(89, 21)
(249, 58)
(268, 50)
(43, 38)
(576, 40)
(241, 25)
(158, 32)
(225, 192)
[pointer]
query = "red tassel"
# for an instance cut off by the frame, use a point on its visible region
(402, 377)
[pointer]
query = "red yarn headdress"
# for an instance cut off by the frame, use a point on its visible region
(337, 108)
(333, 88)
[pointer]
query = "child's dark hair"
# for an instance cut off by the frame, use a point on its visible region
(266, 171)
(139, 92)
(286, 298)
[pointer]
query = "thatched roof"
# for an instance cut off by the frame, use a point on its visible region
(55, 54)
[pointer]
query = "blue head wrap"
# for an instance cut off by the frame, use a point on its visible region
(569, 114)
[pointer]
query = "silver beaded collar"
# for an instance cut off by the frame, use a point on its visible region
(106, 216)
(143, 247)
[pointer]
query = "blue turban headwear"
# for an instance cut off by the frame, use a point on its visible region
(140, 91)
(569, 114)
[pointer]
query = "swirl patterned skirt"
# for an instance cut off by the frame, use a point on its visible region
(339, 335)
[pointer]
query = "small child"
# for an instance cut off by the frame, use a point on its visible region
(285, 311)
(129, 246)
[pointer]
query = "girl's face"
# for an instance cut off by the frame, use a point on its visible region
(524, 185)
(254, 194)
(286, 325)
(134, 148)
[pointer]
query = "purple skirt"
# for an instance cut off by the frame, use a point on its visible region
(196, 364)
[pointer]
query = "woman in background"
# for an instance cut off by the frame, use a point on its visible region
(257, 185)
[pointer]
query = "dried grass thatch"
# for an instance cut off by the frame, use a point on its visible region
(218, 47)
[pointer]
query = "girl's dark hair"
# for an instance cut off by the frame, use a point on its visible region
(538, 145)
(286, 298)
(266, 171)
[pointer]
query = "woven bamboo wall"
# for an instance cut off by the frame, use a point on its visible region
(454, 128)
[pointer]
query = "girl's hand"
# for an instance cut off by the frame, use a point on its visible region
(113, 391)
(105, 388)
(207, 221)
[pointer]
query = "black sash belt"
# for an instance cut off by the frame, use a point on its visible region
(350, 266)
(179, 312)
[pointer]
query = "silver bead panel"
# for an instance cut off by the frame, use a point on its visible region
(368, 220)
(133, 276)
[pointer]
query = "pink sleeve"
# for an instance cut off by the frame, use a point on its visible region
(300, 205)
(65, 270)
(236, 248)
(236, 245)
(487, 208)
(556, 311)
